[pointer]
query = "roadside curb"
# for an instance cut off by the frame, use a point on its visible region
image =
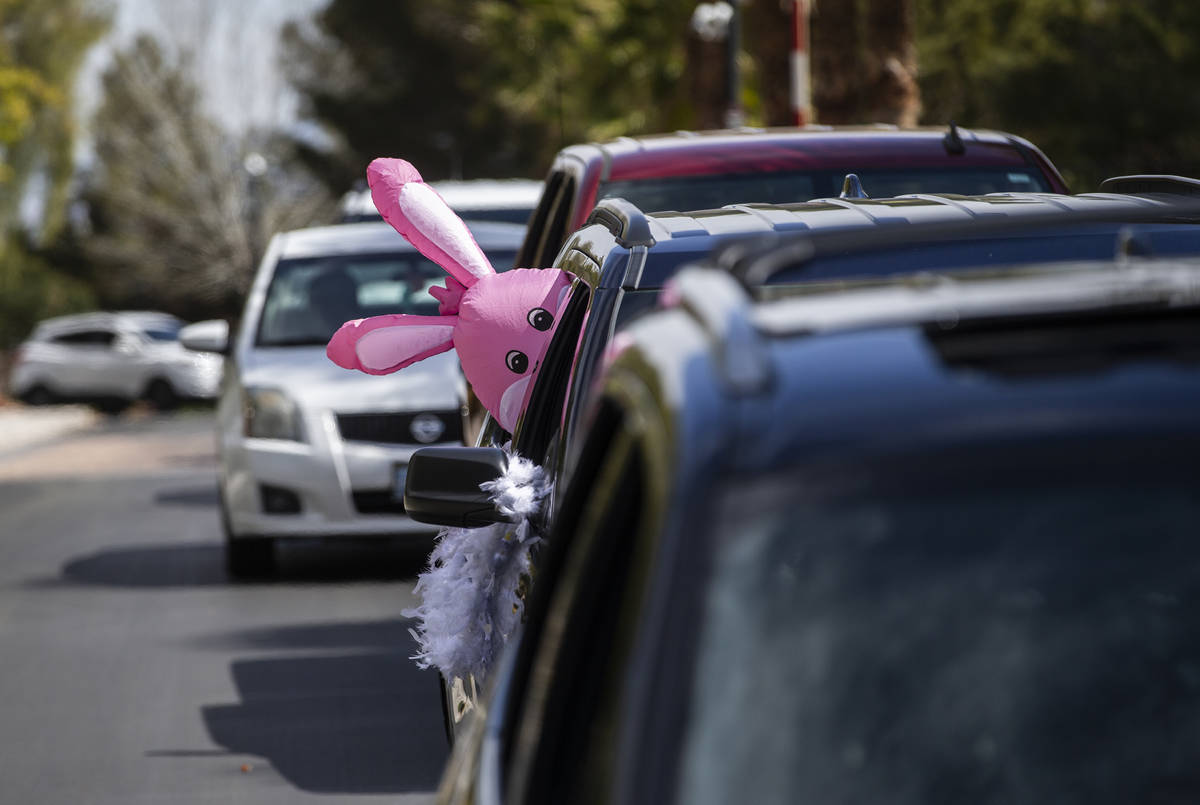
(22, 427)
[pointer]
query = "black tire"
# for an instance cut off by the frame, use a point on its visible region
(111, 406)
(250, 557)
(246, 557)
(38, 395)
(161, 395)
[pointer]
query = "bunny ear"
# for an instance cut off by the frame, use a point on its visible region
(384, 344)
(419, 214)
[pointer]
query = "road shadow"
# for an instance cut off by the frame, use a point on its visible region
(373, 635)
(201, 495)
(202, 564)
(364, 721)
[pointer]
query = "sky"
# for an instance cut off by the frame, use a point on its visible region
(235, 49)
(235, 46)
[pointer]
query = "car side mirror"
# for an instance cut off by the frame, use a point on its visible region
(442, 486)
(206, 336)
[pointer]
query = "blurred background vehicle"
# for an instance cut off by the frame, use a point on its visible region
(308, 449)
(697, 170)
(510, 200)
(112, 360)
(904, 538)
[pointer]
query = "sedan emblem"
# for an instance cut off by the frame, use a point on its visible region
(427, 428)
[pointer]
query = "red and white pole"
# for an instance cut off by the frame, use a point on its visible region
(801, 86)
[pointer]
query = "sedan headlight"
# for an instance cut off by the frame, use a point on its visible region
(270, 414)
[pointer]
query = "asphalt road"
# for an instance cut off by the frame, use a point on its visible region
(135, 671)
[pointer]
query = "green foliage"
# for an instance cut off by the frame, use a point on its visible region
(31, 289)
(43, 45)
(409, 77)
(594, 69)
(180, 219)
(1104, 87)
(486, 87)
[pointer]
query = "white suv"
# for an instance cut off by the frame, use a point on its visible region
(308, 449)
(111, 360)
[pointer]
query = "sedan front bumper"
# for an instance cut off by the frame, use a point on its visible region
(340, 489)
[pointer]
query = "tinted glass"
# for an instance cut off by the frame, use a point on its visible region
(1085, 242)
(1015, 624)
(309, 299)
(512, 215)
(87, 338)
(708, 192)
(162, 334)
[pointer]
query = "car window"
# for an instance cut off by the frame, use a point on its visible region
(309, 299)
(491, 434)
(1092, 241)
(1007, 623)
(771, 187)
(537, 222)
(512, 215)
(86, 338)
(554, 232)
(539, 425)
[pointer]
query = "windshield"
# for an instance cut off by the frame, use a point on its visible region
(1084, 241)
(1010, 625)
(709, 192)
(310, 298)
(162, 332)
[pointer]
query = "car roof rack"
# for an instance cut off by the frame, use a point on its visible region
(625, 220)
(1141, 184)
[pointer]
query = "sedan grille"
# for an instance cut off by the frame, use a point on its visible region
(406, 428)
(379, 502)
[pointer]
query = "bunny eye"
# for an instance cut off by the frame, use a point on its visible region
(517, 361)
(540, 319)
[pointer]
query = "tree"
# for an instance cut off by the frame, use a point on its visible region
(41, 50)
(405, 77)
(1104, 88)
(477, 88)
(592, 70)
(40, 54)
(181, 209)
(864, 62)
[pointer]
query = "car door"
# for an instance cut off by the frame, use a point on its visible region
(128, 365)
(563, 708)
(81, 360)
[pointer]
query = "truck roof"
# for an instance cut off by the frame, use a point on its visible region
(811, 147)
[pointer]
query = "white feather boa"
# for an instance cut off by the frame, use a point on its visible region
(470, 602)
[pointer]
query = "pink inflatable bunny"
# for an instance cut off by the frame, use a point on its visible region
(500, 324)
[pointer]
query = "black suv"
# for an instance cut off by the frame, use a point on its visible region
(621, 260)
(913, 542)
